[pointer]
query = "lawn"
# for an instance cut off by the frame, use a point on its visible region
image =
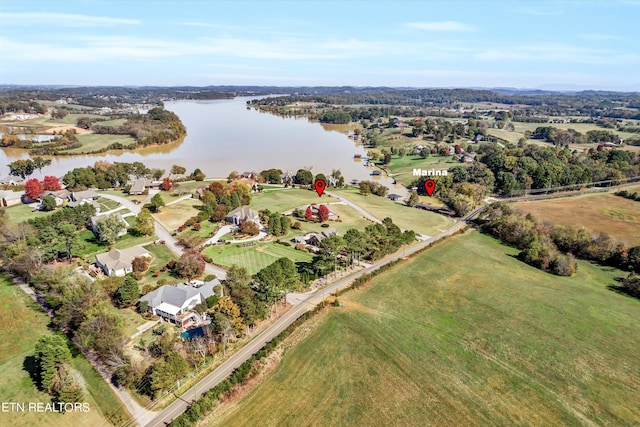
(420, 221)
(72, 119)
(404, 166)
(176, 214)
(95, 142)
(162, 255)
(464, 334)
(92, 245)
(600, 213)
(22, 212)
(132, 321)
(22, 325)
(287, 199)
(349, 218)
(107, 204)
(254, 258)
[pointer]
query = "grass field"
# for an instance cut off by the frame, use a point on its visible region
(600, 212)
(176, 214)
(23, 212)
(286, 199)
(22, 324)
(463, 335)
(107, 204)
(404, 166)
(254, 258)
(72, 119)
(420, 221)
(94, 142)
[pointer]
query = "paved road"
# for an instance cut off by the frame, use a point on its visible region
(356, 207)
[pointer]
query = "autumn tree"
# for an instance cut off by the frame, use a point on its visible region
(144, 223)
(191, 264)
(323, 213)
(51, 183)
(227, 307)
(166, 184)
(140, 264)
(308, 214)
(33, 189)
(250, 227)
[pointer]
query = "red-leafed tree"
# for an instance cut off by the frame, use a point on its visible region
(33, 188)
(308, 214)
(323, 213)
(51, 183)
(191, 264)
(166, 184)
(458, 149)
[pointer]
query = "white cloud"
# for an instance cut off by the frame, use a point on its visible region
(62, 19)
(441, 26)
(105, 48)
(556, 52)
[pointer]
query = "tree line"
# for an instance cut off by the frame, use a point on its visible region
(554, 248)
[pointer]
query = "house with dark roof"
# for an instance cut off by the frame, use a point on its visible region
(242, 214)
(315, 238)
(60, 196)
(394, 197)
(118, 262)
(175, 302)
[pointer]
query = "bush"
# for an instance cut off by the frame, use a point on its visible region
(208, 277)
(325, 225)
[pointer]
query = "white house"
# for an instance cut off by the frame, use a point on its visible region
(175, 302)
(240, 215)
(118, 262)
(11, 180)
(10, 198)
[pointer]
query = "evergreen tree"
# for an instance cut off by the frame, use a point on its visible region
(127, 293)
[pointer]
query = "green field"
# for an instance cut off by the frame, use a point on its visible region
(464, 334)
(404, 166)
(94, 142)
(287, 199)
(22, 324)
(254, 258)
(23, 212)
(107, 204)
(72, 119)
(420, 221)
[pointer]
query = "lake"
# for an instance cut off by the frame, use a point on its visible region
(225, 135)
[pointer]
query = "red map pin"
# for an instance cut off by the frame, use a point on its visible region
(430, 185)
(320, 185)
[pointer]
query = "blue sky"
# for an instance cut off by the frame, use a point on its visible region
(567, 45)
